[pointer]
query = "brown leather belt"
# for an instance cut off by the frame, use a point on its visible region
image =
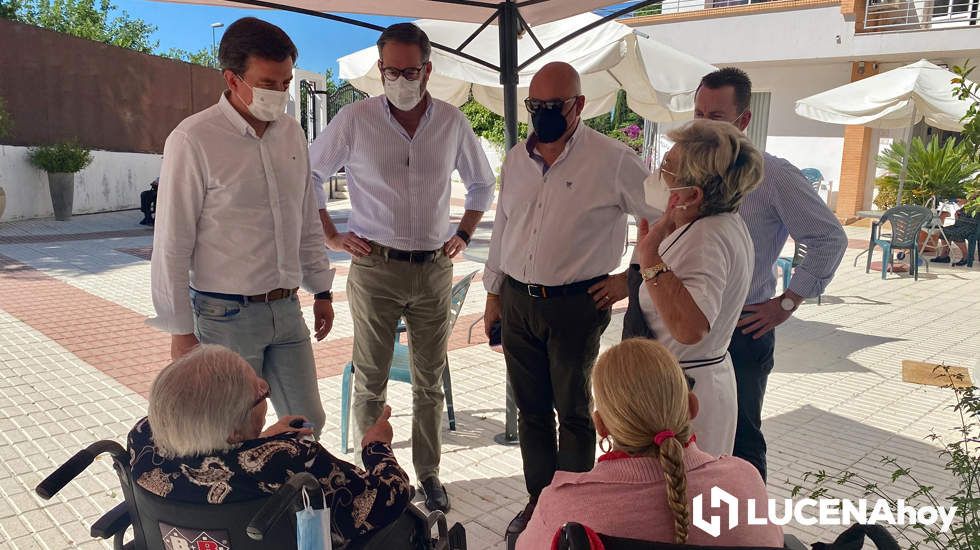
(271, 296)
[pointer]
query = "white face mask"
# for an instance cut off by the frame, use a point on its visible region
(267, 105)
(657, 193)
(404, 94)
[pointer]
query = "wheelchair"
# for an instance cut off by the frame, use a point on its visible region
(260, 524)
(574, 536)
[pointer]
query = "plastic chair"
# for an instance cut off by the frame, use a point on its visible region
(906, 222)
(259, 524)
(401, 367)
(787, 265)
(973, 244)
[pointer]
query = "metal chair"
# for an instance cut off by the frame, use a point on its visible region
(906, 222)
(260, 524)
(401, 367)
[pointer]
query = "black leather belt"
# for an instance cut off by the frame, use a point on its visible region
(411, 256)
(540, 291)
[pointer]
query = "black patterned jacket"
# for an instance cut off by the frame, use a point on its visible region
(360, 501)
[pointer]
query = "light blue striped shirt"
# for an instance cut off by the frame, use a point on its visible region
(785, 204)
(400, 186)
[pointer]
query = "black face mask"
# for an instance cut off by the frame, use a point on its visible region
(549, 124)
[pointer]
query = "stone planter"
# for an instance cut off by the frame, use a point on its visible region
(62, 188)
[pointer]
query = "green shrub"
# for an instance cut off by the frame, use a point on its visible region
(66, 158)
(942, 171)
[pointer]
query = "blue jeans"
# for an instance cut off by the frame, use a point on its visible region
(274, 339)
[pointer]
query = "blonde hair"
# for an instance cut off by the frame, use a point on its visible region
(640, 391)
(719, 159)
(197, 401)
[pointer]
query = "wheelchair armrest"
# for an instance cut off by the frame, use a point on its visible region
(436, 518)
(278, 503)
(112, 522)
(76, 465)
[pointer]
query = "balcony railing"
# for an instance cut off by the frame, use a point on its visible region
(682, 6)
(896, 15)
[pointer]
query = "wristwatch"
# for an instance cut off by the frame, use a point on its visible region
(787, 303)
(325, 295)
(651, 273)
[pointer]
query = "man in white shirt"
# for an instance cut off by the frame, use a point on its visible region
(399, 151)
(237, 229)
(559, 230)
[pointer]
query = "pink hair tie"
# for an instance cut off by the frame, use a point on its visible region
(663, 436)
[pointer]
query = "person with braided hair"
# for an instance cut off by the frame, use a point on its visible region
(642, 487)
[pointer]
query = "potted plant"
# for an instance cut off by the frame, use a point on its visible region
(943, 171)
(6, 124)
(61, 161)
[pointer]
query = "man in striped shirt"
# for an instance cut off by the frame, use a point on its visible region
(785, 203)
(399, 151)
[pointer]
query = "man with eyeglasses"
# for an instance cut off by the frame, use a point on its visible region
(237, 229)
(399, 151)
(559, 230)
(785, 203)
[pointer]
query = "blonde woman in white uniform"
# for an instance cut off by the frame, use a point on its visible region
(696, 263)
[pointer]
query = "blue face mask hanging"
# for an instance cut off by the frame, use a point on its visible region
(313, 526)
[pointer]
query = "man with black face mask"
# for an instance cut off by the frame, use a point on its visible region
(558, 232)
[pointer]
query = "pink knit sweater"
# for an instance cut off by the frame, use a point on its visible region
(627, 498)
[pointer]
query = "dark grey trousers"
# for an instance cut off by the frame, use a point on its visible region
(550, 346)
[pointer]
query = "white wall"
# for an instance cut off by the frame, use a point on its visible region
(112, 182)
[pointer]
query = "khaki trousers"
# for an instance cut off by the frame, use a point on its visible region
(379, 292)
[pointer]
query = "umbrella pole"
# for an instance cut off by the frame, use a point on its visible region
(508, 28)
(905, 159)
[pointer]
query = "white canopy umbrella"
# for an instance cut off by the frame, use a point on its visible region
(659, 81)
(899, 98)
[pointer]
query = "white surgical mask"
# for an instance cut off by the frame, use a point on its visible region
(404, 94)
(267, 105)
(657, 193)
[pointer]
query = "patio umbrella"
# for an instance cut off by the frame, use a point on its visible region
(899, 98)
(659, 81)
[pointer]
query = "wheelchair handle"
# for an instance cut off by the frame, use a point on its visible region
(278, 503)
(76, 465)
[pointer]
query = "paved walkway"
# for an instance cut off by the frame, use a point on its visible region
(76, 361)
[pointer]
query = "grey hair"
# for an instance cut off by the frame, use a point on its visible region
(197, 401)
(719, 159)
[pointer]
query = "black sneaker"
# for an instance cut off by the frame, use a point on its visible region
(940, 260)
(960, 263)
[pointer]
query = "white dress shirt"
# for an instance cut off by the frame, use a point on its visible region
(400, 185)
(565, 223)
(236, 214)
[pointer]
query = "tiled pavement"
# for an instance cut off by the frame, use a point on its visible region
(76, 361)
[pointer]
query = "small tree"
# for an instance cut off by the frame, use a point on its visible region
(91, 19)
(970, 91)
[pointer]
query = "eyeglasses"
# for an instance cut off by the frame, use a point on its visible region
(410, 73)
(534, 105)
(664, 170)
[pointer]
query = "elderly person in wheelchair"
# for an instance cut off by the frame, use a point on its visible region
(202, 442)
(643, 486)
